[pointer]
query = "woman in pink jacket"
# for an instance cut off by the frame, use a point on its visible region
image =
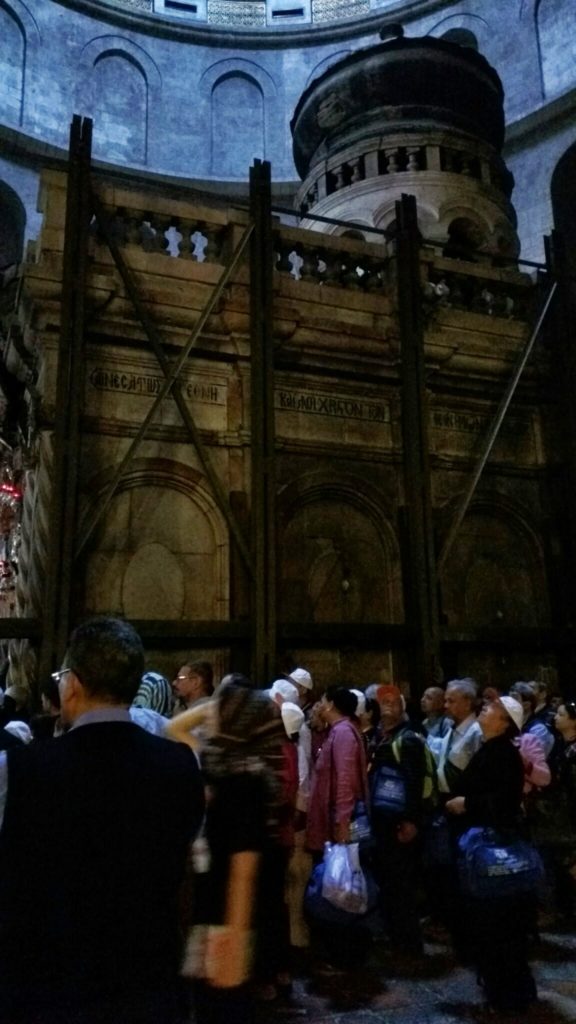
(339, 780)
(340, 776)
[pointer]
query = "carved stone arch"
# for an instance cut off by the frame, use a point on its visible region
(18, 41)
(163, 550)
(326, 63)
(495, 573)
(121, 111)
(385, 215)
(339, 558)
(480, 29)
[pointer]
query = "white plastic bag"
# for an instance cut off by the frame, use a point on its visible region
(344, 883)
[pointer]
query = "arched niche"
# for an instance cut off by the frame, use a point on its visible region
(12, 63)
(12, 227)
(556, 34)
(495, 574)
(563, 194)
(162, 552)
(338, 555)
(118, 86)
(237, 112)
(239, 98)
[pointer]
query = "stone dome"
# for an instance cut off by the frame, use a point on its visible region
(411, 81)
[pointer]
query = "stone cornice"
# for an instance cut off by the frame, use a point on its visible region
(269, 37)
(539, 122)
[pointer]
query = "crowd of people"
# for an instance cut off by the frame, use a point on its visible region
(157, 838)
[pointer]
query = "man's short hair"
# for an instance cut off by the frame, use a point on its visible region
(466, 687)
(108, 657)
(204, 670)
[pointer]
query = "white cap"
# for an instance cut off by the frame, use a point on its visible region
(361, 706)
(514, 709)
(292, 717)
(284, 689)
(20, 730)
(302, 678)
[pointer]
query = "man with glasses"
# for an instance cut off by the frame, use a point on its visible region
(95, 830)
(193, 684)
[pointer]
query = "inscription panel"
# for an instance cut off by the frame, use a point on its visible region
(119, 390)
(462, 432)
(306, 414)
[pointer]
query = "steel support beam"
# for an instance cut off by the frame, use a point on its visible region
(263, 466)
(421, 599)
(494, 428)
(69, 395)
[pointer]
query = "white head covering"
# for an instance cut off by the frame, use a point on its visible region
(514, 710)
(284, 689)
(302, 678)
(292, 717)
(361, 706)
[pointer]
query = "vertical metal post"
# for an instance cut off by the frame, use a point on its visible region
(563, 486)
(263, 466)
(421, 605)
(69, 397)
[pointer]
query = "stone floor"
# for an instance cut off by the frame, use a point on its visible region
(437, 991)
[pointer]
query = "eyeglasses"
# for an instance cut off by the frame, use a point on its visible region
(56, 676)
(186, 676)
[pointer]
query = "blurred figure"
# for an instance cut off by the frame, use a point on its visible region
(300, 861)
(243, 796)
(435, 722)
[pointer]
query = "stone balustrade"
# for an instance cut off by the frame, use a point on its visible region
(349, 167)
(330, 260)
(476, 288)
(189, 233)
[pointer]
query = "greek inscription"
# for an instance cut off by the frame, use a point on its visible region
(328, 405)
(148, 385)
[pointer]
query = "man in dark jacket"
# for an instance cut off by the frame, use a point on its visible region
(95, 832)
(397, 816)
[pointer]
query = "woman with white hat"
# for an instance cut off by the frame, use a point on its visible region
(490, 796)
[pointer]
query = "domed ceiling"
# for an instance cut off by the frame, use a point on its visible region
(249, 14)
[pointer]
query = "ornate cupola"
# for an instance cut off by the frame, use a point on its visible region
(410, 115)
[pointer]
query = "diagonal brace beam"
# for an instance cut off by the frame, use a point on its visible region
(171, 383)
(493, 431)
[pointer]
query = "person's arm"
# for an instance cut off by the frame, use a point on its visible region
(179, 728)
(229, 945)
(348, 761)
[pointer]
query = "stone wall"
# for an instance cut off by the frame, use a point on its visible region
(161, 551)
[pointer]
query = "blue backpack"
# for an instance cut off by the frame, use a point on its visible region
(491, 866)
